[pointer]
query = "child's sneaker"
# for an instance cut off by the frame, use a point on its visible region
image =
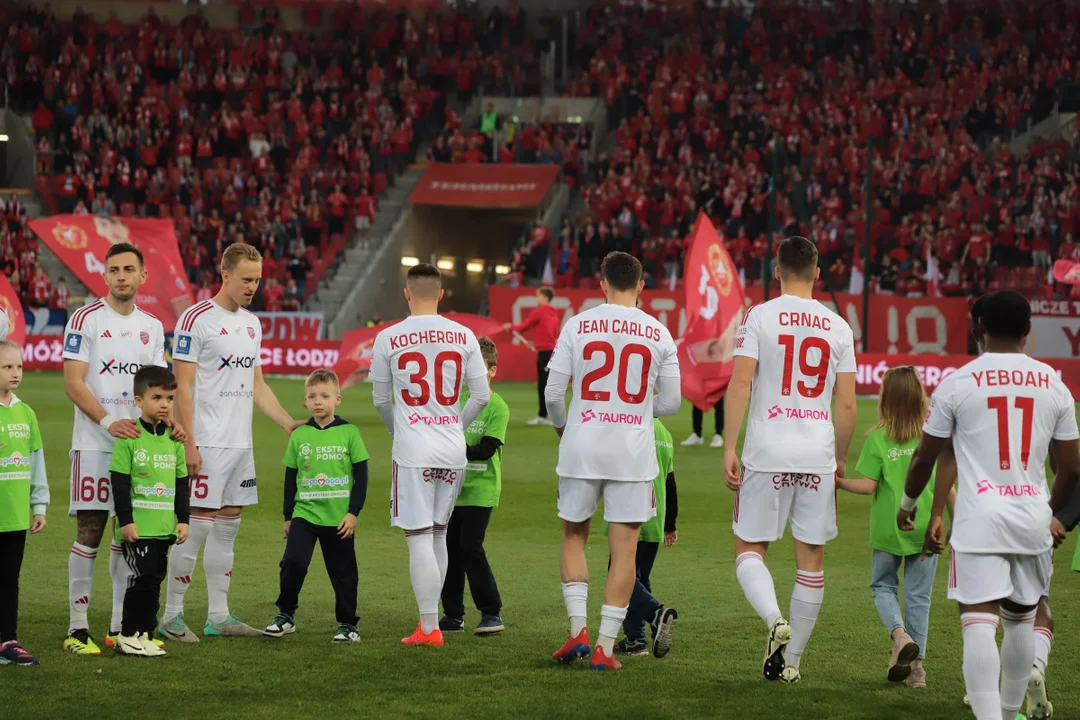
(419, 637)
(130, 645)
(662, 627)
(230, 627)
(635, 646)
(283, 625)
(904, 652)
(151, 648)
(489, 625)
(603, 661)
(79, 642)
(110, 640)
(573, 648)
(12, 653)
(917, 678)
(175, 629)
(451, 625)
(346, 634)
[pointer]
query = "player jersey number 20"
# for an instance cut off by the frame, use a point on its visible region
(607, 354)
(419, 378)
(819, 370)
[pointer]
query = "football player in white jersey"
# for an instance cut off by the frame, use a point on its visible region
(616, 355)
(793, 351)
(216, 360)
(417, 367)
(105, 343)
(1004, 412)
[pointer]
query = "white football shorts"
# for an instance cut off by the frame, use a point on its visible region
(769, 501)
(91, 488)
(624, 502)
(423, 497)
(977, 578)
(227, 479)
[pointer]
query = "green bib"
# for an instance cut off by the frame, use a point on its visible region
(19, 436)
(483, 478)
(887, 462)
(323, 459)
(653, 530)
(154, 462)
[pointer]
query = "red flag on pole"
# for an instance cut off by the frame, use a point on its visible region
(714, 305)
(9, 303)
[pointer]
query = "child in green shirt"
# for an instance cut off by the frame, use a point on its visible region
(472, 513)
(326, 479)
(150, 492)
(24, 493)
(884, 461)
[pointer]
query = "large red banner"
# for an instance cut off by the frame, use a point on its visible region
(81, 241)
(9, 303)
(714, 306)
(871, 367)
(903, 325)
(484, 186)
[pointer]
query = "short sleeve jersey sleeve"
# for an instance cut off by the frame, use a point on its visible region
(181, 461)
(380, 361)
(121, 457)
(746, 342)
(942, 418)
(78, 342)
(35, 430)
(475, 367)
(669, 355)
(289, 460)
(188, 343)
(562, 358)
(357, 450)
(159, 345)
(870, 459)
(845, 362)
(1065, 428)
(497, 420)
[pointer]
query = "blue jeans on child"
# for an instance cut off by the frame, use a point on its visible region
(643, 605)
(918, 584)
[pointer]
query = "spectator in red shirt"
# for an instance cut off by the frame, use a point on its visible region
(61, 296)
(339, 203)
(40, 290)
(273, 295)
(545, 319)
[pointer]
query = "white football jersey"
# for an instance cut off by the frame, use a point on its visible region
(800, 345)
(614, 354)
(225, 349)
(5, 324)
(1002, 410)
(114, 347)
(425, 358)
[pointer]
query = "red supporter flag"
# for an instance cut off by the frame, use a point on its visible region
(9, 303)
(354, 356)
(714, 306)
(81, 241)
(1066, 271)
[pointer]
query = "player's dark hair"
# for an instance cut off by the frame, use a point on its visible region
(797, 258)
(488, 351)
(424, 280)
(1006, 315)
(621, 271)
(547, 292)
(120, 249)
(153, 376)
(978, 308)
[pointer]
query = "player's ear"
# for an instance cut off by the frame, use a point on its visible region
(817, 273)
(640, 286)
(440, 294)
(408, 295)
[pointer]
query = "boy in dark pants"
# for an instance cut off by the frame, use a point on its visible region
(150, 492)
(326, 482)
(24, 493)
(468, 525)
(644, 608)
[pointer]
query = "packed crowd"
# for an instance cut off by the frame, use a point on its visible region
(705, 103)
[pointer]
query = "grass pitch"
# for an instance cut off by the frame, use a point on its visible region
(714, 669)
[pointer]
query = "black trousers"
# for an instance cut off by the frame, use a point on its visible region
(542, 359)
(339, 555)
(466, 558)
(148, 559)
(698, 417)
(12, 548)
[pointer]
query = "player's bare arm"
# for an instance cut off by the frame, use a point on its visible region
(76, 389)
(922, 464)
(845, 415)
(944, 498)
(1066, 475)
(185, 382)
(735, 402)
(269, 405)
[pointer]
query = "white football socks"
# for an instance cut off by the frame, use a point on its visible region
(982, 665)
(120, 573)
(182, 565)
(1044, 638)
(757, 585)
(425, 576)
(441, 555)
(576, 597)
(611, 619)
(806, 600)
(218, 565)
(80, 582)
(1017, 657)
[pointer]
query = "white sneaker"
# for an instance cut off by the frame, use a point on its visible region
(1039, 706)
(130, 645)
(694, 439)
(151, 649)
(717, 441)
(539, 421)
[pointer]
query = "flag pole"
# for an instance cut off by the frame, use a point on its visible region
(866, 249)
(766, 271)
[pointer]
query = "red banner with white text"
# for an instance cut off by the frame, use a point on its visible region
(81, 241)
(9, 303)
(871, 367)
(484, 186)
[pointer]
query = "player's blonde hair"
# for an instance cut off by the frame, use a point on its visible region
(323, 376)
(237, 252)
(901, 405)
(488, 351)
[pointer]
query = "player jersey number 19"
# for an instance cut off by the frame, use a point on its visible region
(818, 370)
(419, 378)
(608, 356)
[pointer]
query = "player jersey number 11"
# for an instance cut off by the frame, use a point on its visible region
(420, 379)
(1026, 406)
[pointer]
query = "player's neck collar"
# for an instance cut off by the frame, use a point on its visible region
(338, 420)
